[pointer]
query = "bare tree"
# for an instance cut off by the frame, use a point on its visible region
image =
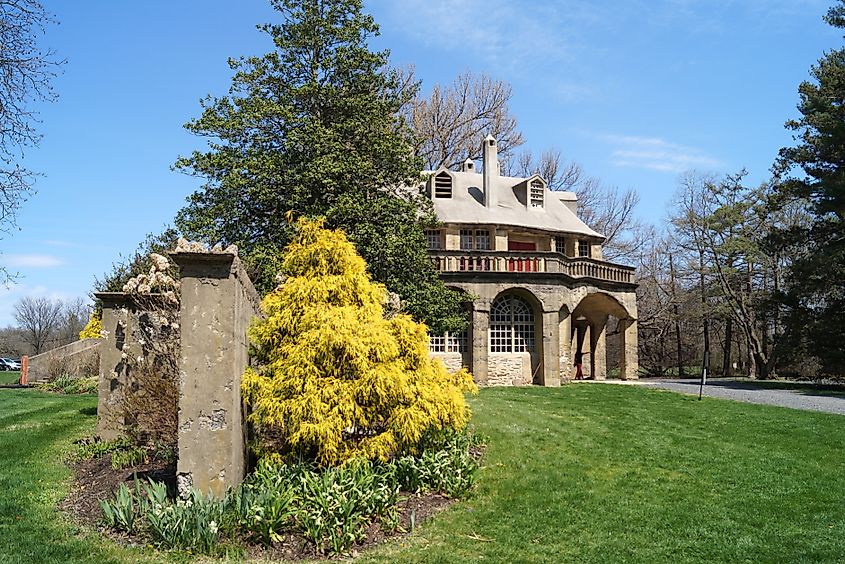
(39, 318)
(606, 209)
(75, 315)
(450, 123)
(26, 72)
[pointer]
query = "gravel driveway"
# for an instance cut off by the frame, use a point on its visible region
(799, 396)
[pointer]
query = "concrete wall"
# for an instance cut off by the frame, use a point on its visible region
(76, 359)
(218, 302)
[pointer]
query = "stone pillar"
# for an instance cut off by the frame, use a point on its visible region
(629, 363)
(599, 348)
(480, 348)
(550, 374)
(586, 348)
(565, 338)
(218, 303)
(117, 325)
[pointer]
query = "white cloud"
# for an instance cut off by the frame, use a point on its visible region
(31, 261)
(654, 153)
(509, 37)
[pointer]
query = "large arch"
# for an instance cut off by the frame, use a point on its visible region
(515, 338)
(588, 336)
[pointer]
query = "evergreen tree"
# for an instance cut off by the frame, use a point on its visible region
(312, 128)
(814, 171)
(337, 379)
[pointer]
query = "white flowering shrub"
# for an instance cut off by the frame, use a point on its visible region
(151, 352)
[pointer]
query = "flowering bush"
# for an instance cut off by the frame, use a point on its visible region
(153, 371)
(338, 380)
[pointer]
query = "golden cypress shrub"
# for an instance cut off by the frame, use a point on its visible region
(94, 327)
(337, 379)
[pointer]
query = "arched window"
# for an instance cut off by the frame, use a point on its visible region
(511, 325)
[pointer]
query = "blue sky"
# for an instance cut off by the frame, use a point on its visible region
(635, 91)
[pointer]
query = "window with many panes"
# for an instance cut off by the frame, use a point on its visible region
(560, 244)
(511, 325)
(583, 248)
(537, 190)
(448, 343)
(475, 239)
(434, 238)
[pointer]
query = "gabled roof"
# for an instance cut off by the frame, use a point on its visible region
(467, 205)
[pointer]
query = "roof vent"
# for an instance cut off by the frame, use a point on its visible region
(443, 185)
(468, 166)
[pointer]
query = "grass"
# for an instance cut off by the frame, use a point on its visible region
(36, 430)
(9, 377)
(576, 474)
(623, 474)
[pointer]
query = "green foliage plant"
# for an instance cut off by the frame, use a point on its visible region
(313, 128)
(121, 511)
(337, 379)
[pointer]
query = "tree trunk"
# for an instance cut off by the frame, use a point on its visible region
(726, 352)
(677, 319)
(706, 319)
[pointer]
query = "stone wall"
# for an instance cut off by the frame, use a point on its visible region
(508, 369)
(79, 359)
(453, 361)
(217, 305)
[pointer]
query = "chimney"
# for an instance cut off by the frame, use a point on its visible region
(468, 166)
(491, 169)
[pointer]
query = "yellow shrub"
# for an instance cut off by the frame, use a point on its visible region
(338, 380)
(94, 326)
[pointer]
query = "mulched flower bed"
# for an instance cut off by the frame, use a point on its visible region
(95, 479)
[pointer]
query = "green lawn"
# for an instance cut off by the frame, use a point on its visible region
(36, 429)
(9, 377)
(576, 474)
(623, 474)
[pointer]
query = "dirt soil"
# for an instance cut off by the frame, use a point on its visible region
(95, 480)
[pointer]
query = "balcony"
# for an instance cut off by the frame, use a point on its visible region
(549, 262)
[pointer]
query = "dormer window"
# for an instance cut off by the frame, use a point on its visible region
(443, 185)
(537, 193)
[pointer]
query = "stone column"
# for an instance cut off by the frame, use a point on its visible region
(565, 338)
(480, 348)
(586, 347)
(629, 363)
(550, 374)
(599, 348)
(117, 324)
(218, 303)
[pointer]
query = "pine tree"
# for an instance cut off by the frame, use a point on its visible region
(814, 171)
(338, 380)
(313, 127)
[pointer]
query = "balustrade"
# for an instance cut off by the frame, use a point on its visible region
(497, 261)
